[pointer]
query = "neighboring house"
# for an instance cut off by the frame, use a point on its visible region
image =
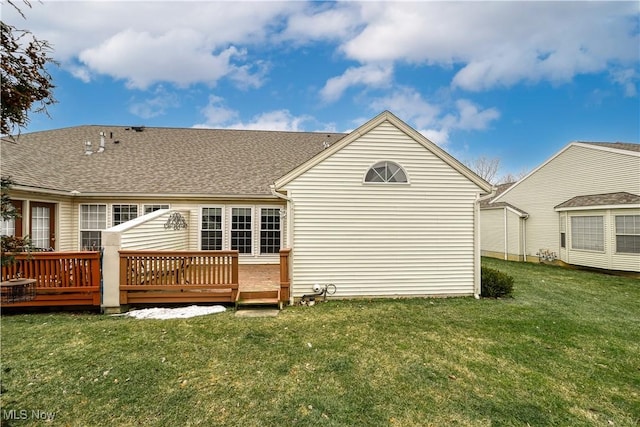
(380, 211)
(582, 206)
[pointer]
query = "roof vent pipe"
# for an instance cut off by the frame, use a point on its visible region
(88, 148)
(102, 143)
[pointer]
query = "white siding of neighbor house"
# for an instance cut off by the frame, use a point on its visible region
(492, 231)
(608, 259)
(492, 228)
(576, 171)
(383, 239)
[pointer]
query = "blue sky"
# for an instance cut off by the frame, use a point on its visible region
(512, 80)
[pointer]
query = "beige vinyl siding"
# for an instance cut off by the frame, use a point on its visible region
(574, 172)
(492, 232)
(151, 235)
(514, 235)
(383, 239)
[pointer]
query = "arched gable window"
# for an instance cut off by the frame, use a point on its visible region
(386, 172)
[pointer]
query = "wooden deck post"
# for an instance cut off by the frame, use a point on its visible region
(285, 280)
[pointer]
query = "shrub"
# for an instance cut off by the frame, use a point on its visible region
(495, 284)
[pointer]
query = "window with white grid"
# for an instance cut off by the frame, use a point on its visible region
(153, 208)
(628, 234)
(386, 172)
(241, 230)
(40, 226)
(123, 213)
(587, 233)
(93, 219)
(211, 229)
(269, 230)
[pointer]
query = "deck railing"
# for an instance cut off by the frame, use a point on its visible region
(178, 276)
(62, 278)
(285, 281)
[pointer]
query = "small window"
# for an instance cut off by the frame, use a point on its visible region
(153, 208)
(211, 229)
(124, 213)
(386, 172)
(628, 234)
(563, 240)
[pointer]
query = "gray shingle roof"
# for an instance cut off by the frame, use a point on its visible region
(609, 199)
(618, 145)
(158, 160)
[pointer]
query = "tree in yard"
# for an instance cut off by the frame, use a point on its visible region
(26, 83)
(485, 168)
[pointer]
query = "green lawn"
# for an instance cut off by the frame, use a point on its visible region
(565, 351)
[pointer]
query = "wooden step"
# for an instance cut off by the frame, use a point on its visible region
(254, 298)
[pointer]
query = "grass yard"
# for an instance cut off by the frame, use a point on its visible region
(565, 351)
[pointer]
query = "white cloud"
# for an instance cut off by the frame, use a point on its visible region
(436, 121)
(218, 115)
(141, 58)
(499, 44)
(156, 105)
(368, 75)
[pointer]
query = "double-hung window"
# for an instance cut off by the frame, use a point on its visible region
(211, 229)
(269, 230)
(241, 236)
(587, 233)
(123, 213)
(93, 219)
(628, 234)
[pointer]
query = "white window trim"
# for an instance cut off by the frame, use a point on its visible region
(253, 228)
(200, 230)
(364, 177)
(259, 230)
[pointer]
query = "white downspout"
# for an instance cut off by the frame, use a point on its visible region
(506, 236)
(524, 237)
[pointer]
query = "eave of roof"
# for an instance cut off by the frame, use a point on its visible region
(600, 201)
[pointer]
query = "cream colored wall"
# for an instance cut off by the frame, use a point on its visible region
(383, 239)
(575, 172)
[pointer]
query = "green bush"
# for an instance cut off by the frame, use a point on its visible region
(495, 284)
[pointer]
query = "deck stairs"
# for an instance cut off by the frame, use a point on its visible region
(258, 298)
